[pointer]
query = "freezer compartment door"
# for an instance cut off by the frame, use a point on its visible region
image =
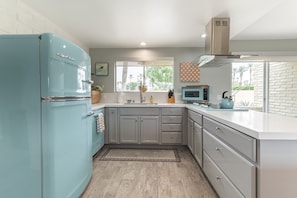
(65, 68)
(67, 148)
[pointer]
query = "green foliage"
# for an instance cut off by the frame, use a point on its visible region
(97, 88)
(131, 86)
(160, 76)
(245, 87)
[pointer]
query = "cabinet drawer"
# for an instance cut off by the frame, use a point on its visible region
(172, 111)
(239, 170)
(241, 142)
(219, 181)
(195, 117)
(172, 119)
(139, 111)
(172, 127)
(171, 138)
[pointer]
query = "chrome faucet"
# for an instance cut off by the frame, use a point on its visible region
(142, 99)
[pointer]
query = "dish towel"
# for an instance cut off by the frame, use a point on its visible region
(100, 123)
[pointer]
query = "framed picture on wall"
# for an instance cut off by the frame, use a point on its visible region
(101, 69)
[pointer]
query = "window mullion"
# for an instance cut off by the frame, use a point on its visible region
(266, 87)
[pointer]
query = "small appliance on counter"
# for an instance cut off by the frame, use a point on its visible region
(226, 102)
(198, 94)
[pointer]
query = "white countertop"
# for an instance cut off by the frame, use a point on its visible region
(99, 105)
(263, 126)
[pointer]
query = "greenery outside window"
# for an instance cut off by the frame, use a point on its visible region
(155, 75)
(247, 85)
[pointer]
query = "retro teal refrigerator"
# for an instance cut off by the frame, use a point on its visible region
(45, 117)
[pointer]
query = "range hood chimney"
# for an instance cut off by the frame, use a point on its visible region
(217, 43)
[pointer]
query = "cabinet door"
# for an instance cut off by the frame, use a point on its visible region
(149, 129)
(198, 143)
(128, 129)
(190, 134)
(112, 128)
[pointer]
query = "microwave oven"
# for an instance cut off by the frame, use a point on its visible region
(196, 93)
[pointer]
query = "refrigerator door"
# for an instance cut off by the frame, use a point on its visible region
(65, 68)
(66, 145)
(20, 122)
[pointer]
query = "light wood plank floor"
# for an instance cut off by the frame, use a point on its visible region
(129, 179)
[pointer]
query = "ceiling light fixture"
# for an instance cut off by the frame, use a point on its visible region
(143, 43)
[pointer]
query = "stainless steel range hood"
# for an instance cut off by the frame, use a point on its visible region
(217, 44)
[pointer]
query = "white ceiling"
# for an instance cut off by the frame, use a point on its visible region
(167, 23)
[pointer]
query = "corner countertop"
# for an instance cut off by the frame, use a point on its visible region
(262, 126)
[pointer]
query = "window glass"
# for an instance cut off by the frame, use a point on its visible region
(248, 85)
(154, 75)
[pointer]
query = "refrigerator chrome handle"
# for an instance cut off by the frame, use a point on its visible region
(90, 113)
(88, 81)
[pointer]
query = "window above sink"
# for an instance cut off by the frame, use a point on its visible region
(156, 75)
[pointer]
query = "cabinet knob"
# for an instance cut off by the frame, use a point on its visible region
(218, 178)
(218, 128)
(218, 149)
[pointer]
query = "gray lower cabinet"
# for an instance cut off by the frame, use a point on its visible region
(112, 135)
(172, 125)
(139, 129)
(139, 125)
(229, 166)
(149, 129)
(128, 129)
(190, 134)
(197, 143)
(195, 135)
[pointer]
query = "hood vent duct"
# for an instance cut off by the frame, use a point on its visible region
(217, 44)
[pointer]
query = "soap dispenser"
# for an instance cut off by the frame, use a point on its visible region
(151, 99)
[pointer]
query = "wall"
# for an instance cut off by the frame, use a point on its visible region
(219, 78)
(18, 18)
(283, 88)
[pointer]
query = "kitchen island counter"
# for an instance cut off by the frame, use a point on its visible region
(259, 125)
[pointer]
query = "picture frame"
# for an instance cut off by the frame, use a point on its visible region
(101, 69)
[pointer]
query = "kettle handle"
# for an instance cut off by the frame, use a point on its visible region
(223, 95)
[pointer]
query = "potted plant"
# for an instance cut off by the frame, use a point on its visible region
(96, 92)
